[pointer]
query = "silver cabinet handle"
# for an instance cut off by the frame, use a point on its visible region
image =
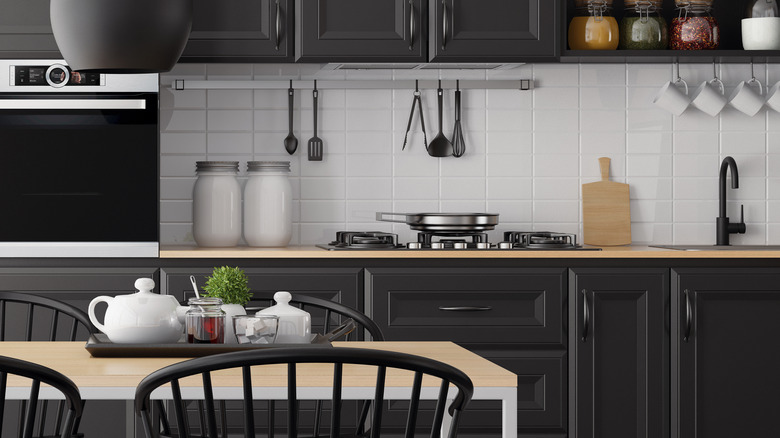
(278, 24)
(445, 25)
(465, 308)
(585, 315)
(688, 315)
(411, 25)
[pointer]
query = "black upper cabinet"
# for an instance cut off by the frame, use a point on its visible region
(725, 335)
(493, 30)
(361, 31)
(620, 345)
(25, 30)
(240, 31)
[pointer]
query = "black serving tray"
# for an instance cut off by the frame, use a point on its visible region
(99, 345)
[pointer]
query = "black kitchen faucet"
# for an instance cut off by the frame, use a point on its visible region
(724, 228)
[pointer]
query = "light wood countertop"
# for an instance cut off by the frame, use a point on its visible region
(312, 252)
(73, 360)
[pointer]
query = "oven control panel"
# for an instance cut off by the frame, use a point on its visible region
(55, 75)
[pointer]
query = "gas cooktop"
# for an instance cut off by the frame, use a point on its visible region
(478, 241)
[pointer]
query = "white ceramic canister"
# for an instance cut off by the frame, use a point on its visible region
(292, 320)
(268, 204)
(216, 204)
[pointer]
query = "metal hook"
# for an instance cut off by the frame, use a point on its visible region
(677, 66)
(714, 70)
(457, 84)
(752, 71)
(416, 85)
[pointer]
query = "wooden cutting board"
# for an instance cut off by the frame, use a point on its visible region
(606, 212)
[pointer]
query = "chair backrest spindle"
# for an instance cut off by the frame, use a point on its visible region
(29, 325)
(208, 396)
(414, 404)
(292, 401)
(249, 410)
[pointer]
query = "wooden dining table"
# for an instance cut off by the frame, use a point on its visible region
(114, 378)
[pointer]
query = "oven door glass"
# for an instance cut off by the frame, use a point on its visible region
(79, 167)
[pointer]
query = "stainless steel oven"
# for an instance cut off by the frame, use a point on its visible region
(79, 162)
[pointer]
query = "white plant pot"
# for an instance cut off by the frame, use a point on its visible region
(231, 310)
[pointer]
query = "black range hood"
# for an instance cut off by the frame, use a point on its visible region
(121, 36)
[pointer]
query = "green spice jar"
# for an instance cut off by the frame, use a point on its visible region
(643, 27)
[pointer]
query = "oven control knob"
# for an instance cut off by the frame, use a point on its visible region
(505, 245)
(414, 245)
(57, 75)
(460, 245)
(437, 245)
(483, 245)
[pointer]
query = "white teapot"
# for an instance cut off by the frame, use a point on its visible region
(142, 317)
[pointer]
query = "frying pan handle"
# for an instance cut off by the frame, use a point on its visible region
(380, 216)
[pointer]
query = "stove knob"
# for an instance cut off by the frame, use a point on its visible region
(460, 245)
(414, 245)
(483, 245)
(437, 245)
(505, 245)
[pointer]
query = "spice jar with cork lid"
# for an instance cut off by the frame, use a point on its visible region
(594, 27)
(694, 28)
(643, 27)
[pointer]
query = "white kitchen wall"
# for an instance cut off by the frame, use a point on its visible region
(527, 152)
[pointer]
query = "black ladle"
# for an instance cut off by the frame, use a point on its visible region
(440, 146)
(290, 142)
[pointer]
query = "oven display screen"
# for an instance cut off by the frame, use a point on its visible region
(35, 75)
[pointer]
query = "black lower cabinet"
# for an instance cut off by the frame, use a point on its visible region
(725, 337)
(620, 353)
(513, 317)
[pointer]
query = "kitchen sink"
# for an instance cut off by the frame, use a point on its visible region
(719, 248)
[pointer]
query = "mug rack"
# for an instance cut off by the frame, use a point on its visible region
(182, 84)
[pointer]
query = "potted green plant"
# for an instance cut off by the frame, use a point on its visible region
(232, 286)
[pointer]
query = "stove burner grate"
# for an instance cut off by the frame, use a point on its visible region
(541, 240)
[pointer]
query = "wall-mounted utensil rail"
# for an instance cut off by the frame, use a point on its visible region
(182, 84)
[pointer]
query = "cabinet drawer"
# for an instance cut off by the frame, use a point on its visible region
(471, 305)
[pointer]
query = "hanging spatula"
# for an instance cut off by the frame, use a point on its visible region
(315, 143)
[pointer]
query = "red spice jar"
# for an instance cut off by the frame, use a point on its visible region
(694, 29)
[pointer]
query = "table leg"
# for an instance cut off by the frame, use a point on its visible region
(509, 413)
(446, 421)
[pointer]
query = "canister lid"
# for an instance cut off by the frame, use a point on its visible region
(278, 166)
(586, 3)
(639, 3)
(217, 166)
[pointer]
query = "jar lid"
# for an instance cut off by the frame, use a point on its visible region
(685, 3)
(205, 301)
(219, 166)
(586, 3)
(640, 3)
(268, 165)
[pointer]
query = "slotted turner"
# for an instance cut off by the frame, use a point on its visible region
(315, 143)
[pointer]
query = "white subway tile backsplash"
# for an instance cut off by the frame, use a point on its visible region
(462, 189)
(323, 188)
(229, 120)
(600, 98)
(602, 75)
(182, 143)
(230, 142)
(527, 152)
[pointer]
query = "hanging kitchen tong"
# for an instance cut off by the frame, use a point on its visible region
(418, 103)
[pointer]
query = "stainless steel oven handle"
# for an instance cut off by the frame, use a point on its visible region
(74, 104)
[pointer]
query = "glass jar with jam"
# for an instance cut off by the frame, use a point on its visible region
(643, 27)
(205, 321)
(694, 28)
(594, 27)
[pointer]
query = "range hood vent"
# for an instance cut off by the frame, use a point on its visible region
(424, 66)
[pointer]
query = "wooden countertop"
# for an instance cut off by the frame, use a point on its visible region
(312, 252)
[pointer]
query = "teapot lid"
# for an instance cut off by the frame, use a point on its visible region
(144, 285)
(283, 307)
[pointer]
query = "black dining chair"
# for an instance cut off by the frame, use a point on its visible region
(326, 315)
(30, 317)
(40, 374)
(338, 357)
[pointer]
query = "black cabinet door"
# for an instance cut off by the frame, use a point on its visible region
(361, 31)
(726, 335)
(493, 30)
(512, 317)
(620, 352)
(25, 30)
(240, 31)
